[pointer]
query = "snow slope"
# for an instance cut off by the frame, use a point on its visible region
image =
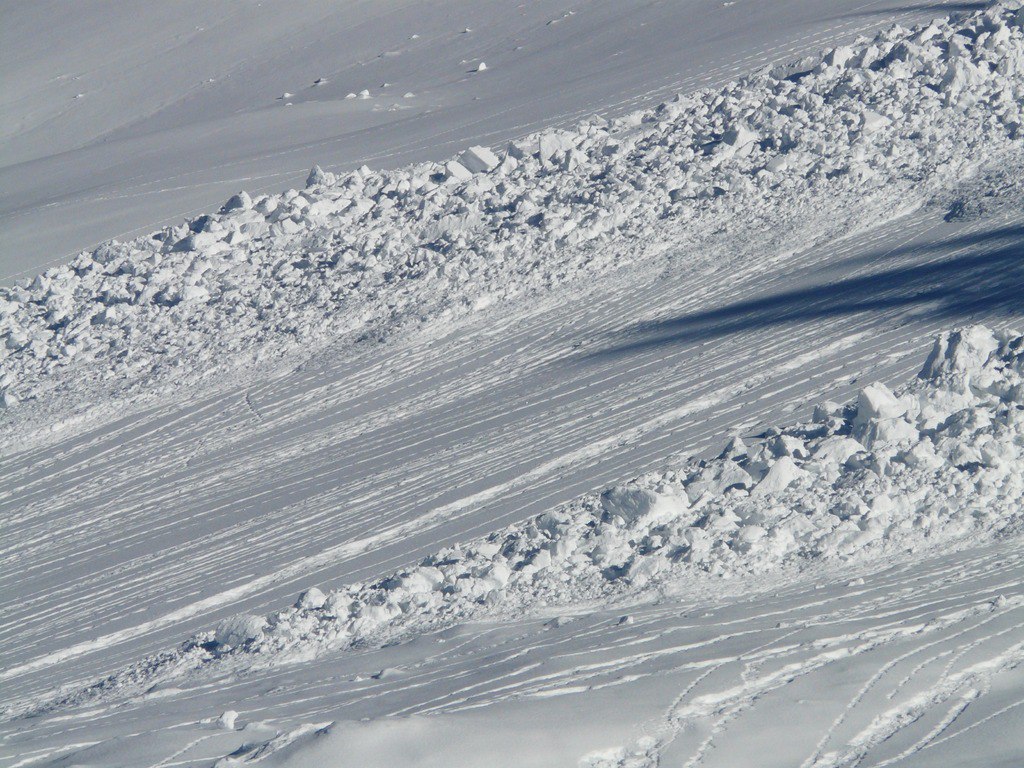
(826, 145)
(116, 117)
(892, 662)
(196, 458)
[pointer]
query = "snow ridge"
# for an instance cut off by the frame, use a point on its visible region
(820, 147)
(929, 465)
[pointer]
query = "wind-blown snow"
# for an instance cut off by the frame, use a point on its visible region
(930, 465)
(900, 117)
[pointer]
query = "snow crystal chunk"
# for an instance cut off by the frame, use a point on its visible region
(420, 580)
(632, 503)
(311, 599)
(826, 411)
(876, 401)
(716, 478)
(739, 137)
(838, 57)
(747, 536)
(779, 477)
(552, 143)
(872, 121)
(227, 720)
(239, 202)
(239, 630)
(195, 294)
(959, 352)
(496, 576)
(478, 159)
(836, 450)
(888, 432)
(457, 171)
(318, 177)
(734, 449)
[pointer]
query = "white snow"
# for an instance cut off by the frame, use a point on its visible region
(120, 117)
(366, 252)
(935, 466)
(534, 419)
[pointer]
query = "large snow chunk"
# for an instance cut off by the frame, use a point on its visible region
(838, 57)
(871, 121)
(716, 478)
(876, 401)
(457, 171)
(739, 137)
(311, 599)
(780, 476)
(554, 143)
(319, 177)
(240, 202)
(239, 630)
(632, 503)
(959, 352)
(478, 159)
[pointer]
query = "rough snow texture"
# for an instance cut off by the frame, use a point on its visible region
(889, 122)
(932, 464)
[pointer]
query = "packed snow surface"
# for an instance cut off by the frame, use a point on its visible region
(934, 465)
(930, 465)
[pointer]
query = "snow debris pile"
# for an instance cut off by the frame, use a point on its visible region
(898, 117)
(932, 464)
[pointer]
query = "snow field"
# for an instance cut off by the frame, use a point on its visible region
(933, 464)
(902, 116)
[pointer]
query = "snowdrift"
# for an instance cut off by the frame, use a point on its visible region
(817, 148)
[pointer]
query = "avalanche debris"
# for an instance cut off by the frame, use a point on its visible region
(933, 464)
(901, 116)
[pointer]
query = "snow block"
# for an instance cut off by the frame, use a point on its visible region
(456, 171)
(239, 202)
(960, 351)
(318, 177)
(239, 630)
(780, 476)
(632, 503)
(478, 159)
(871, 121)
(311, 599)
(876, 401)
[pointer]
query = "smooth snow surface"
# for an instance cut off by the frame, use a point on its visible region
(119, 116)
(687, 437)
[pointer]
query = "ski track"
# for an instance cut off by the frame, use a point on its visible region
(890, 646)
(359, 486)
(123, 539)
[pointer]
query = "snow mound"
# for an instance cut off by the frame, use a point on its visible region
(884, 123)
(935, 463)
